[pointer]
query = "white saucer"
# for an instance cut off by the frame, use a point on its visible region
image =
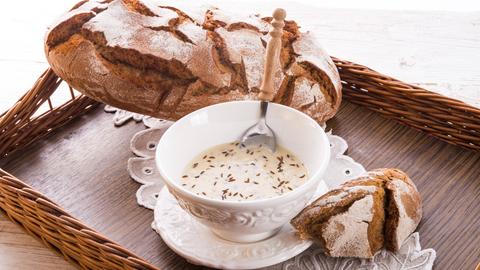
(196, 243)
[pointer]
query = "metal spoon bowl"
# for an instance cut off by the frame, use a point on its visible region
(260, 133)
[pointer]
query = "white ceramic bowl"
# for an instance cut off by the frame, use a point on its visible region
(244, 221)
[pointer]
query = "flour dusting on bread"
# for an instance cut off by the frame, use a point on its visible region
(378, 209)
(346, 234)
(168, 58)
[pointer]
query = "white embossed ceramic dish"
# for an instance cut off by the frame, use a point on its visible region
(244, 221)
(195, 242)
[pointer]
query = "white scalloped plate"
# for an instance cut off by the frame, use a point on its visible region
(196, 243)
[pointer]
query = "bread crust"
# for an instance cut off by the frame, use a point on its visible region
(166, 61)
(393, 214)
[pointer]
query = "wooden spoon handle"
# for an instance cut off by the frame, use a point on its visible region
(273, 49)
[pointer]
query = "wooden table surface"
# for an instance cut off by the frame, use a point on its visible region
(21, 251)
(83, 169)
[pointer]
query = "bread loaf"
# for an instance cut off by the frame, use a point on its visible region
(166, 61)
(380, 209)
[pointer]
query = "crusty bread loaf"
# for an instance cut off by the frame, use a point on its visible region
(381, 208)
(166, 61)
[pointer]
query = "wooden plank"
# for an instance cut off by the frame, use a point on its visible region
(20, 251)
(83, 168)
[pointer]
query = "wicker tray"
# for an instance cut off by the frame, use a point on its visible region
(450, 120)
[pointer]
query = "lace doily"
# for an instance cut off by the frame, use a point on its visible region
(341, 168)
(410, 256)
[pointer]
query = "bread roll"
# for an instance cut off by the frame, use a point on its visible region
(166, 61)
(380, 209)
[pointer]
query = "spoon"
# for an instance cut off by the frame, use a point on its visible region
(261, 133)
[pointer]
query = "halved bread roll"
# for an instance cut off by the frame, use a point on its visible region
(381, 208)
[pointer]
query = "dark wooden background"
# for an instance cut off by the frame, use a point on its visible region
(82, 167)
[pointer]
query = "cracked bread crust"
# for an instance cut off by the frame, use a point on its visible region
(403, 206)
(395, 212)
(346, 222)
(166, 61)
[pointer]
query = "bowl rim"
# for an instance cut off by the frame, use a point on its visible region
(271, 200)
